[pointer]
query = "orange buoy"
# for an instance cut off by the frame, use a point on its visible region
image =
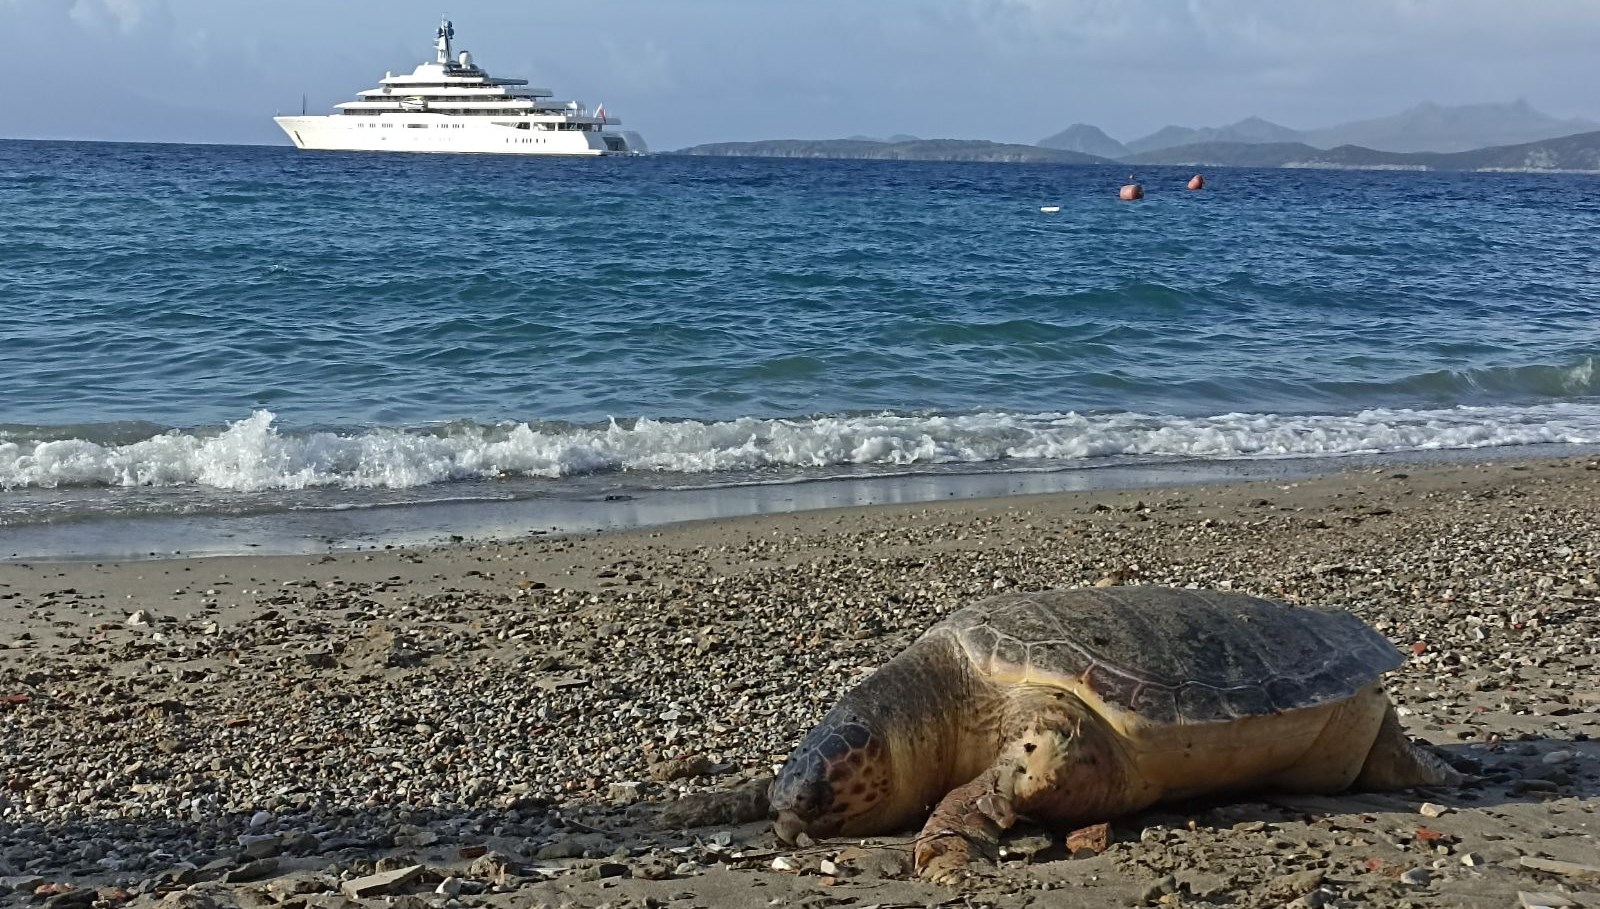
(1131, 192)
(1197, 182)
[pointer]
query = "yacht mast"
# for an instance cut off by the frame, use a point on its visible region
(446, 32)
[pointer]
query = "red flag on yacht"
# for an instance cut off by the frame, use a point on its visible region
(600, 111)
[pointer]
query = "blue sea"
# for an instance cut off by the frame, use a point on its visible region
(264, 343)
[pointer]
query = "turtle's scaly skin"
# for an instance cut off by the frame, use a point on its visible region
(1076, 706)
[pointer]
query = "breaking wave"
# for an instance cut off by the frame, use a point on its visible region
(254, 455)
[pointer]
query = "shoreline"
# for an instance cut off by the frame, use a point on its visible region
(609, 510)
(515, 716)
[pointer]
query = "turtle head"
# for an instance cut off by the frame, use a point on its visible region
(836, 782)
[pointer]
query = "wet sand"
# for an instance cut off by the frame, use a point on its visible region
(514, 717)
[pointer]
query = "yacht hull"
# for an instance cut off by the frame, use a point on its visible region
(439, 133)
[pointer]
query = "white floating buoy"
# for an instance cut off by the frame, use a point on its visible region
(1049, 209)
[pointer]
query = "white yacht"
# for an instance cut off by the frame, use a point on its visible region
(454, 105)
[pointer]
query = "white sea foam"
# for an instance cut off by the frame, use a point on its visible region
(253, 455)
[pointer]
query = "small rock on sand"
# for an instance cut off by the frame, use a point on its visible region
(680, 768)
(1089, 841)
(383, 882)
(1529, 900)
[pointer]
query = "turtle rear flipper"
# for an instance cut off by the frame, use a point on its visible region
(1396, 762)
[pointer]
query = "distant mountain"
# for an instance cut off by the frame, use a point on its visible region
(1229, 154)
(1165, 137)
(1426, 127)
(1081, 137)
(1250, 129)
(914, 150)
(1579, 152)
(1255, 129)
(1568, 153)
(1432, 127)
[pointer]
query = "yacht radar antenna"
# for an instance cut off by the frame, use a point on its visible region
(446, 32)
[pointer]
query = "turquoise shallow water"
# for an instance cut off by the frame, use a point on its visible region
(225, 329)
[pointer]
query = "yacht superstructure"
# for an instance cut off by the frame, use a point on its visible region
(453, 105)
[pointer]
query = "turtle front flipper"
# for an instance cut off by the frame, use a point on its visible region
(1058, 763)
(966, 827)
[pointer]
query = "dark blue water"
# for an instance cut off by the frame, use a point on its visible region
(182, 325)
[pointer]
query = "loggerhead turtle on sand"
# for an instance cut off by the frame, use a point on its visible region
(1076, 706)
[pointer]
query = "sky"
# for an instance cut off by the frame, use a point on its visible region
(689, 71)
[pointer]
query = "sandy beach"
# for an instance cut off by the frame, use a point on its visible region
(533, 723)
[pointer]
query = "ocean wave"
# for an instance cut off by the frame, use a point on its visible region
(1579, 379)
(253, 455)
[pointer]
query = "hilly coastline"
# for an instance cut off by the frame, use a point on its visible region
(912, 150)
(1427, 127)
(1580, 153)
(1425, 137)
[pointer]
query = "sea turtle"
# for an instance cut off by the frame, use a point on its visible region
(1076, 706)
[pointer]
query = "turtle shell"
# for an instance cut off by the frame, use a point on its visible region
(1173, 656)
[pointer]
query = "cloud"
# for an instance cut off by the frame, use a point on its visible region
(125, 16)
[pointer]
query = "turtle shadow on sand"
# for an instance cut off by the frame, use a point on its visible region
(1528, 770)
(1385, 833)
(1496, 780)
(1505, 774)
